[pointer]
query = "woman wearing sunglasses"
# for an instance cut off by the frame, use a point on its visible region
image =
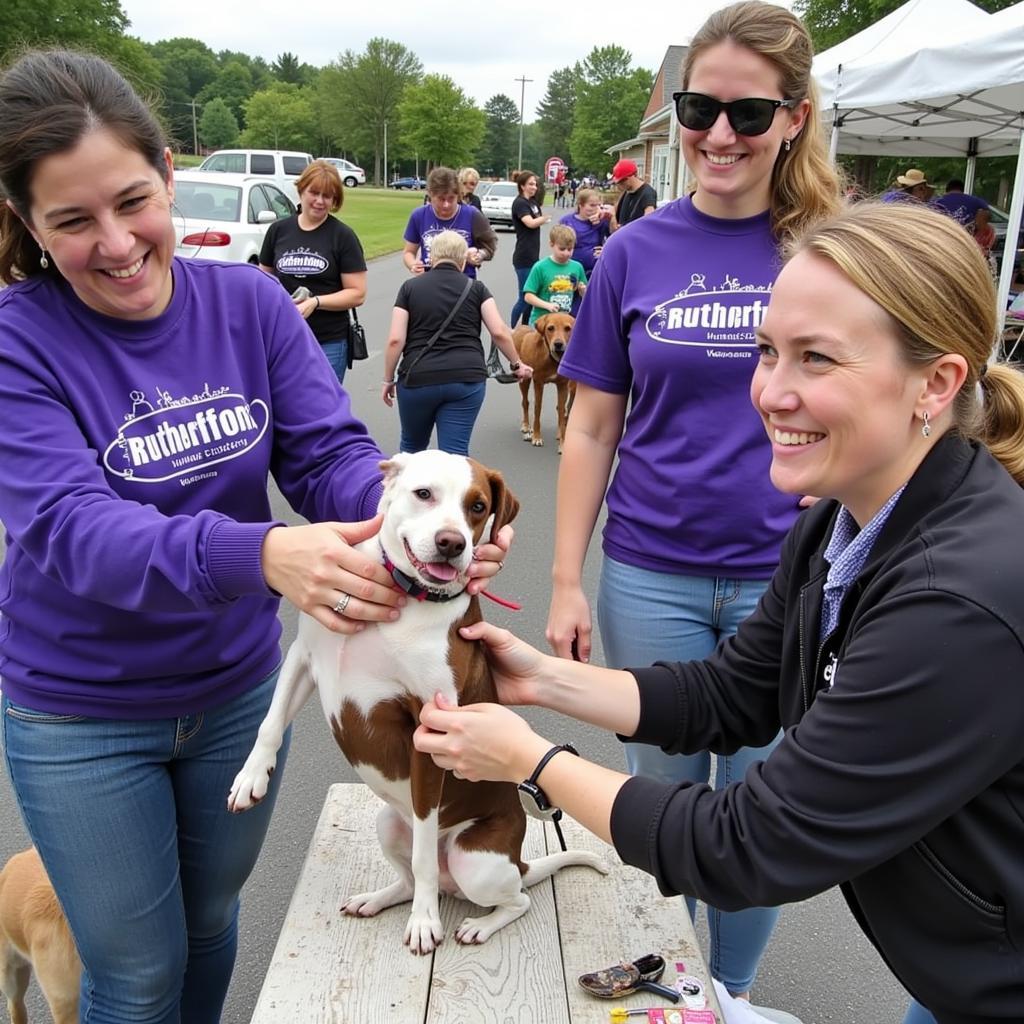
(694, 525)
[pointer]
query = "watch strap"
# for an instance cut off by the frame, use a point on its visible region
(542, 763)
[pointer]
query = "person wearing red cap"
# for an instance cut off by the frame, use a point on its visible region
(638, 198)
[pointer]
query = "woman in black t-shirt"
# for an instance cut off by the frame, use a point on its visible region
(442, 378)
(527, 219)
(314, 250)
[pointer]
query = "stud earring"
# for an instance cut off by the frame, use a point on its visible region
(926, 427)
(787, 144)
(43, 261)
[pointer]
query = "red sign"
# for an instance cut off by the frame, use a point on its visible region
(553, 167)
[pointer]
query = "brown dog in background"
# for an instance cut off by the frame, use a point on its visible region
(34, 934)
(541, 346)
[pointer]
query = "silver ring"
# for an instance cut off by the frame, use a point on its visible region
(342, 604)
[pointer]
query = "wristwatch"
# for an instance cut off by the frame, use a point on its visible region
(513, 367)
(534, 800)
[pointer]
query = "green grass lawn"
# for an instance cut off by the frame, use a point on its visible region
(378, 216)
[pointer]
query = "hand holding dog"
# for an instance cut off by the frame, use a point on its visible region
(478, 742)
(315, 566)
(489, 559)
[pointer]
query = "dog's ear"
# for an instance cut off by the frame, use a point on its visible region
(391, 468)
(540, 323)
(504, 504)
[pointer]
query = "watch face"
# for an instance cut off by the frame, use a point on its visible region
(534, 802)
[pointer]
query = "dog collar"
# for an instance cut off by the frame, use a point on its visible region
(412, 588)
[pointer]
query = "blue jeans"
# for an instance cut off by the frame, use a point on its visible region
(917, 1014)
(452, 408)
(337, 356)
(522, 309)
(647, 616)
(131, 821)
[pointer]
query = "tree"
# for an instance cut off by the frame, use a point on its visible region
(359, 94)
(89, 24)
(440, 121)
(611, 96)
(259, 69)
(501, 135)
(233, 85)
(188, 66)
(557, 111)
(280, 117)
(218, 128)
(287, 68)
(832, 21)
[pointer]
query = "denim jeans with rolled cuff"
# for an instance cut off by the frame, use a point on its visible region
(131, 821)
(647, 616)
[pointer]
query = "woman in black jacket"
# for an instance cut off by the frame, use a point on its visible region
(888, 645)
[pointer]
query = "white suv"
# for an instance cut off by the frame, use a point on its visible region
(351, 175)
(279, 165)
(496, 202)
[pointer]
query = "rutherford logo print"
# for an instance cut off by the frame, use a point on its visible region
(184, 435)
(723, 316)
(300, 263)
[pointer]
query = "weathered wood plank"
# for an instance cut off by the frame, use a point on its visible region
(332, 969)
(604, 920)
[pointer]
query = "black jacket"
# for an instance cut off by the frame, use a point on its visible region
(904, 780)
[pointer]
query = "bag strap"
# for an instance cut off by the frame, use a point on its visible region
(354, 316)
(437, 334)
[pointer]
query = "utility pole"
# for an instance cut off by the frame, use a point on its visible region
(195, 134)
(522, 102)
(386, 178)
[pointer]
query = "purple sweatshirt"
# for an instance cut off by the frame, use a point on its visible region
(133, 487)
(669, 320)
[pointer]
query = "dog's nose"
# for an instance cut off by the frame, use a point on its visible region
(559, 348)
(449, 543)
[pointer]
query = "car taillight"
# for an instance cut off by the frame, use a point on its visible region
(207, 238)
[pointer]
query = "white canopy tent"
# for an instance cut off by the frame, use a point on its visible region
(963, 96)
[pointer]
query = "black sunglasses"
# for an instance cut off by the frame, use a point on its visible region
(751, 116)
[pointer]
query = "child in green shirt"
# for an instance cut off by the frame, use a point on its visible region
(556, 283)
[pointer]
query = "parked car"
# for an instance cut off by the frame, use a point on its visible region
(351, 175)
(223, 216)
(496, 202)
(408, 183)
(280, 165)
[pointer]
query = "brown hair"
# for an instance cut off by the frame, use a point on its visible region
(50, 100)
(562, 234)
(584, 195)
(931, 278)
(443, 181)
(522, 177)
(324, 177)
(805, 185)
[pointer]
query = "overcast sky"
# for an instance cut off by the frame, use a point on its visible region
(484, 47)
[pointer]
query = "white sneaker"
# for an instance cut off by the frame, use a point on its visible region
(739, 1011)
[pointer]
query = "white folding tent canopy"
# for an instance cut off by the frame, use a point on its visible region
(962, 96)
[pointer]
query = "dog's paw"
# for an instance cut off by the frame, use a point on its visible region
(423, 933)
(250, 785)
(537, 442)
(473, 931)
(368, 904)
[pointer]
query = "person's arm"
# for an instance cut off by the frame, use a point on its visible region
(267, 270)
(650, 200)
(502, 337)
(588, 451)
(351, 294)
(532, 299)
(393, 353)
(534, 222)
(410, 257)
(485, 240)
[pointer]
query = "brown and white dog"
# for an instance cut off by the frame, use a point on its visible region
(441, 833)
(34, 934)
(541, 346)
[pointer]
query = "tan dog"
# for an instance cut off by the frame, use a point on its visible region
(541, 346)
(35, 934)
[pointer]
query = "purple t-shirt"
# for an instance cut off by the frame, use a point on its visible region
(588, 237)
(424, 224)
(669, 320)
(961, 206)
(133, 487)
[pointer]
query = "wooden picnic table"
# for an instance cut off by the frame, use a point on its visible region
(329, 968)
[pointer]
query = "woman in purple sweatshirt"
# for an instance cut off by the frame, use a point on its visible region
(145, 399)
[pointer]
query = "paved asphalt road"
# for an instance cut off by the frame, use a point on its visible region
(818, 964)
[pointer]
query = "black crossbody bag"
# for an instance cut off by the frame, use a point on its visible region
(406, 370)
(356, 339)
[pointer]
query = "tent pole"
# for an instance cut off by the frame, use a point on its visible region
(972, 165)
(1012, 231)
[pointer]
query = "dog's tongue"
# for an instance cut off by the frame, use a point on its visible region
(442, 571)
